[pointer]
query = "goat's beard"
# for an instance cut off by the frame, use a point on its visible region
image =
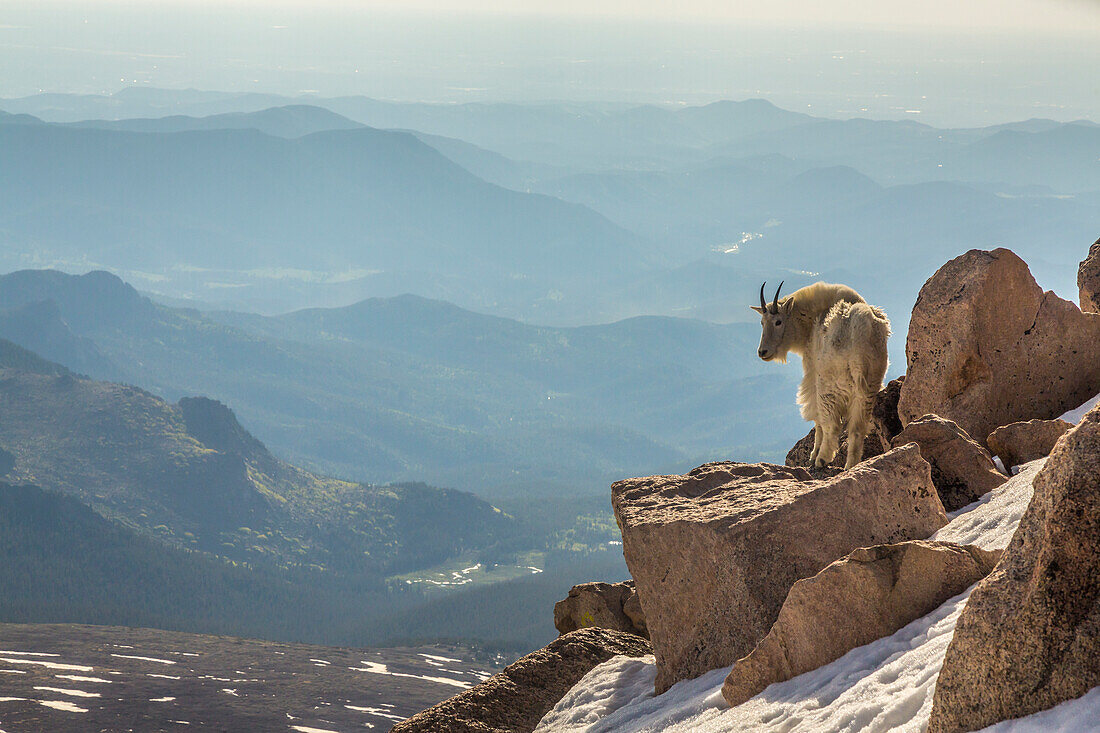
(780, 355)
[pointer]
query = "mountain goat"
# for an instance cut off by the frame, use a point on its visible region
(842, 342)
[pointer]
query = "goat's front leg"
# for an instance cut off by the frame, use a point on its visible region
(830, 443)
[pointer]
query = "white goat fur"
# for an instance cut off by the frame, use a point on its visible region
(842, 342)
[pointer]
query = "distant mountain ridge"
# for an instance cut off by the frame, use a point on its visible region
(290, 121)
(413, 389)
(370, 202)
(630, 196)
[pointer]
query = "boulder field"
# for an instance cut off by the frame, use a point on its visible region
(1029, 637)
(774, 571)
(714, 552)
(987, 347)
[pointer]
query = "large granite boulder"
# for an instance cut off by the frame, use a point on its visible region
(515, 700)
(987, 347)
(1029, 637)
(607, 605)
(1088, 280)
(869, 594)
(714, 552)
(962, 470)
(1021, 442)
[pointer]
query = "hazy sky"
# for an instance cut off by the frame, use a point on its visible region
(953, 62)
(1077, 16)
(1051, 14)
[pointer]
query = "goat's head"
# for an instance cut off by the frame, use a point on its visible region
(773, 321)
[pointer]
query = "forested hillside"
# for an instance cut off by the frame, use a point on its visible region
(191, 475)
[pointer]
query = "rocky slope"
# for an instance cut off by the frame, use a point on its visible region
(68, 678)
(747, 588)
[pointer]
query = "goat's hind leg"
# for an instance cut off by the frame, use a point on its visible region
(828, 423)
(857, 430)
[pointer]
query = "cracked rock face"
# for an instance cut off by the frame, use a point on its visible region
(987, 347)
(1029, 637)
(869, 594)
(1088, 280)
(714, 552)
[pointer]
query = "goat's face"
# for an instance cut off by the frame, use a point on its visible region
(773, 324)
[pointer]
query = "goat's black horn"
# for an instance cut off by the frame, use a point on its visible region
(763, 303)
(775, 300)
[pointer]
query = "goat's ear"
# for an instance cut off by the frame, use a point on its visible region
(788, 306)
(758, 309)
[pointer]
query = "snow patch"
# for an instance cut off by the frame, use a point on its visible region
(1074, 416)
(143, 659)
(380, 712)
(49, 665)
(66, 691)
(440, 659)
(1071, 716)
(377, 668)
(991, 521)
(68, 707)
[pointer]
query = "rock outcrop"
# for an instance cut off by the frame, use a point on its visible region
(884, 412)
(869, 594)
(606, 605)
(962, 470)
(987, 347)
(714, 552)
(1020, 442)
(1088, 280)
(1029, 637)
(515, 700)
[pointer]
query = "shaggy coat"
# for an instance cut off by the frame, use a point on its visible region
(842, 342)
